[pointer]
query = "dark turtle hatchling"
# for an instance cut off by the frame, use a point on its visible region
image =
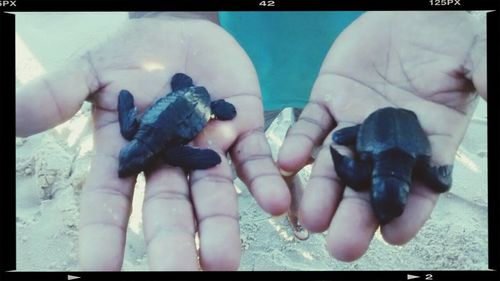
(391, 147)
(167, 126)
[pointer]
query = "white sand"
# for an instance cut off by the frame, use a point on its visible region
(51, 167)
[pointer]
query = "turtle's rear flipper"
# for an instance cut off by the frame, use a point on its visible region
(223, 110)
(191, 158)
(180, 81)
(127, 114)
(439, 178)
(355, 174)
(346, 136)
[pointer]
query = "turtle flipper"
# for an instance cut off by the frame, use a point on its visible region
(180, 81)
(223, 110)
(346, 136)
(439, 178)
(127, 115)
(355, 174)
(191, 158)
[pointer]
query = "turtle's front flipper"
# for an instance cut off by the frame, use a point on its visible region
(346, 136)
(355, 174)
(191, 158)
(436, 177)
(223, 110)
(127, 115)
(180, 81)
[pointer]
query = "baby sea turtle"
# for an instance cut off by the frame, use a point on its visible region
(391, 146)
(167, 126)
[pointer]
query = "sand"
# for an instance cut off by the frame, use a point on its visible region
(51, 168)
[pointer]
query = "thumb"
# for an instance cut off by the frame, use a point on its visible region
(54, 97)
(477, 57)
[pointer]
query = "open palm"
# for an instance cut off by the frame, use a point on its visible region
(142, 58)
(430, 63)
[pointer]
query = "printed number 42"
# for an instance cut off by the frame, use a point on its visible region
(266, 3)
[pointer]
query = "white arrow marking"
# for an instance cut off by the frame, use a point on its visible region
(409, 276)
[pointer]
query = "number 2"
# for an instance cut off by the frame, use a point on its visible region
(428, 277)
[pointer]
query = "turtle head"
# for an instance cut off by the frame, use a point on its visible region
(389, 196)
(133, 159)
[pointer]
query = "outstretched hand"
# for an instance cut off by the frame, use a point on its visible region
(430, 63)
(142, 58)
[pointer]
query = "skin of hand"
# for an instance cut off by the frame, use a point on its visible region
(430, 63)
(142, 57)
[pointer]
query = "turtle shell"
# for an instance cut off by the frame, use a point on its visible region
(175, 119)
(392, 128)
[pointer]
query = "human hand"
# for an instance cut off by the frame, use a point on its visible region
(430, 63)
(142, 58)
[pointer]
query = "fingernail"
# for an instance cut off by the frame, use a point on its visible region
(285, 173)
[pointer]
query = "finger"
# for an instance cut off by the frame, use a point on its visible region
(250, 152)
(309, 131)
(254, 164)
(322, 194)
(352, 227)
(168, 218)
(216, 207)
(419, 206)
(105, 205)
(61, 93)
